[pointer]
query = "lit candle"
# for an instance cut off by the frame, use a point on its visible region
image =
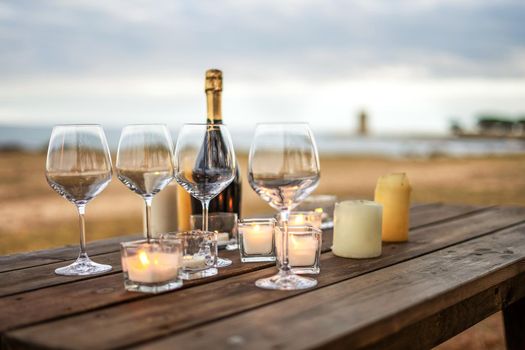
(302, 249)
(393, 192)
(357, 229)
(302, 246)
(222, 237)
(257, 239)
(194, 262)
(301, 218)
(297, 220)
(151, 267)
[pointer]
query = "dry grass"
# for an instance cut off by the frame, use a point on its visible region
(33, 217)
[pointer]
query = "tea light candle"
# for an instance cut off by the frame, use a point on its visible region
(302, 249)
(357, 229)
(297, 220)
(257, 239)
(151, 267)
(301, 218)
(194, 262)
(222, 237)
(393, 192)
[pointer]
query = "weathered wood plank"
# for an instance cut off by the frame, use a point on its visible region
(362, 311)
(21, 280)
(122, 325)
(514, 319)
(447, 323)
(49, 256)
(429, 215)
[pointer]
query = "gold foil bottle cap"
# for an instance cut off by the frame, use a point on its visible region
(213, 80)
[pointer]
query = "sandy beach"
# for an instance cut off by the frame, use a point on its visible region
(33, 216)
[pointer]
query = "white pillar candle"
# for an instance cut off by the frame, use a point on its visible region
(151, 267)
(357, 229)
(257, 239)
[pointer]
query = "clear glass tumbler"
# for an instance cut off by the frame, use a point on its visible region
(198, 253)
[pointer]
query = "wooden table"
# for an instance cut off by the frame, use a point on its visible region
(461, 264)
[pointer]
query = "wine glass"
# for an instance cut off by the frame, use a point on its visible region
(283, 169)
(78, 167)
(145, 162)
(205, 165)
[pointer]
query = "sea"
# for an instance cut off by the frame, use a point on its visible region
(35, 138)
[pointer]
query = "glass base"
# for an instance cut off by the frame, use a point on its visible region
(193, 275)
(232, 246)
(286, 281)
(257, 259)
(306, 270)
(153, 288)
(221, 262)
(83, 266)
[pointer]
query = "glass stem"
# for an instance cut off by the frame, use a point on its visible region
(82, 223)
(148, 201)
(285, 266)
(205, 207)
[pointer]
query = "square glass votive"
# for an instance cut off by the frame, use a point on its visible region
(304, 248)
(304, 218)
(256, 239)
(198, 253)
(151, 267)
(223, 224)
(324, 204)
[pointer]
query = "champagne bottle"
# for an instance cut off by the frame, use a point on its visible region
(229, 200)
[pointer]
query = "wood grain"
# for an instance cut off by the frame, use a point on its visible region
(360, 312)
(35, 277)
(49, 256)
(122, 325)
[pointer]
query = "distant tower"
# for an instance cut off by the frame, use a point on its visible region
(363, 124)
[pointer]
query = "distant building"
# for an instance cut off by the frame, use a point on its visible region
(362, 128)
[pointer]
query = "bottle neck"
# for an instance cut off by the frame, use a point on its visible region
(213, 101)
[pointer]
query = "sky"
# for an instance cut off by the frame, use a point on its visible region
(412, 65)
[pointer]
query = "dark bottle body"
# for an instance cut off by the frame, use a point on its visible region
(229, 200)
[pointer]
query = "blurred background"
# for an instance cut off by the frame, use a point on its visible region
(435, 89)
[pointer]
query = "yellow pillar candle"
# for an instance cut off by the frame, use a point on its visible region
(393, 192)
(357, 229)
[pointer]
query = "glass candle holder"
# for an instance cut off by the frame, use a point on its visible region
(151, 267)
(304, 218)
(198, 253)
(324, 204)
(257, 239)
(304, 248)
(223, 224)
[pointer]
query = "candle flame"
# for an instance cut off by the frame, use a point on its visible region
(143, 257)
(299, 219)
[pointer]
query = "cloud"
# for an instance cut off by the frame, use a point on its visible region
(327, 39)
(127, 61)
